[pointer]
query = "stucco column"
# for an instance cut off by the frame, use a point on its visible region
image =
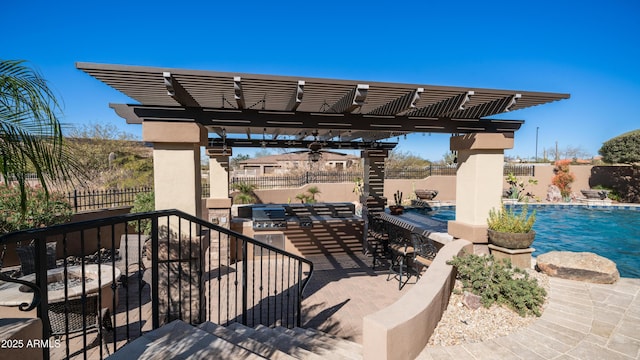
(176, 164)
(219, 202)
(478, 183)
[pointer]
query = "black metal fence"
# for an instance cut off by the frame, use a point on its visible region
(102, 199)
(110, 283)
(420, 173)
(286, 181)
(82, 200)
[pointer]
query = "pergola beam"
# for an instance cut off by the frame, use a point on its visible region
(238, 94)
(401, 105)
(485, 108)
(302, 144)
(352, 100)
(445, 107)
(512, 103)
(177, 91)
(240, 120)
(296, 99)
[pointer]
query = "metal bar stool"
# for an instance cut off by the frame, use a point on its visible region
(401, 251)
(425, 252)
(377, 237)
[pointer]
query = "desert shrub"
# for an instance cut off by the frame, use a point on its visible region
(611, 194)
(517, 189)
(506, 220)
(500, 283)
(622, 149)
(41, 211)
(563, 178)
(144, 202)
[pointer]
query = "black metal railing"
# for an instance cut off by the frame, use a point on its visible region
(108, 282)
(296, 180)
(82, 200)
(309, 177)
(102, 199)
(420, 173)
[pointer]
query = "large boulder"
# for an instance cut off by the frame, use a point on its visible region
(553, 194)
(581, 266)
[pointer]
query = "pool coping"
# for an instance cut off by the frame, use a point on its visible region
(588, 204)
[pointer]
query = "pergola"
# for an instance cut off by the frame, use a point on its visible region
(180, 109)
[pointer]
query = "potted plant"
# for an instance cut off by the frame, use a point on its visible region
(423, 194)
(510, 230)
(397, 209)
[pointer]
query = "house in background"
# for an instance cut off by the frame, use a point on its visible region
(297, 161)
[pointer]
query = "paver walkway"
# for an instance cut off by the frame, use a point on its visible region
(581, 321)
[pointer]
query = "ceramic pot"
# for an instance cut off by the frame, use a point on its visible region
(511, 240)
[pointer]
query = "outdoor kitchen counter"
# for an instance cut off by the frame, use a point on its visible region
(321, 218)
(419, 224)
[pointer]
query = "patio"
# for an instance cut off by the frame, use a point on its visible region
(581, 319)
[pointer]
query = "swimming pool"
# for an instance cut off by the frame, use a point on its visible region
(607, 231)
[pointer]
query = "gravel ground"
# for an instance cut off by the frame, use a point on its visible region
(460, 325)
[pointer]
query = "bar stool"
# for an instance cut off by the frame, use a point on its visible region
(401, 251)
(425, 252)
(377, 237)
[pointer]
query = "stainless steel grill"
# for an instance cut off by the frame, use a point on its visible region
(269, 218)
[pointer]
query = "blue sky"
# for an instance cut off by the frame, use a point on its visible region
(589, 49)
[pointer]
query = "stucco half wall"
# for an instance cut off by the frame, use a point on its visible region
(402, 330)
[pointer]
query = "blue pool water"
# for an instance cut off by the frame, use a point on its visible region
(609, 232)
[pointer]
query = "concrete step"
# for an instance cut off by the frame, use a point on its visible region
(313, 343)
(179, 340)
(278, 340)
(245, 341)
(353, 349)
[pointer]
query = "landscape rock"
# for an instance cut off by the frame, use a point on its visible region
(581, 266)
(472, 301)
(553, 194)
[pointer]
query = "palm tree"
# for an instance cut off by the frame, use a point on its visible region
(313, 191)
(31, 139)
(246, 192)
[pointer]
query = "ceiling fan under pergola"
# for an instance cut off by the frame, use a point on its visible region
(315, 148)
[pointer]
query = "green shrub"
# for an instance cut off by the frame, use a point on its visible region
(518, 188)
(41, 211)
(144, 202)
(611, 193)
(622, 149)
(498, 282)
(506, 220)
(246, 193)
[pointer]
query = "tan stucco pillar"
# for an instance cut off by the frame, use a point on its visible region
(176, 164)
(219, 202)
(478, 183)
